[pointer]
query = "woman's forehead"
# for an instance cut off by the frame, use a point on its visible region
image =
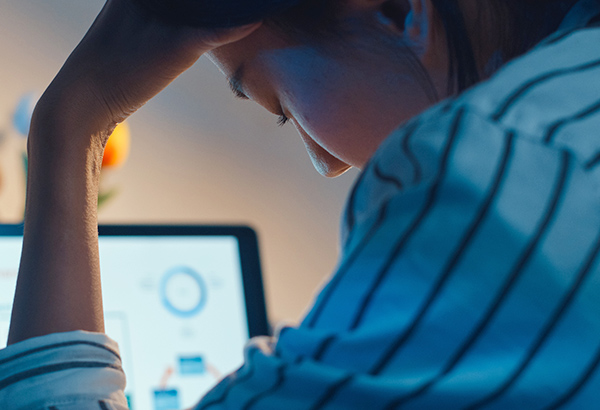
(236, 58)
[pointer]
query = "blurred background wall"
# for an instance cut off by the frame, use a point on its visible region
(197, 156)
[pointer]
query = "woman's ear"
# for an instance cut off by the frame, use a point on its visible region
(413, 18)
(416, 18)
(418, 22)
(419, 19)
(395, 13)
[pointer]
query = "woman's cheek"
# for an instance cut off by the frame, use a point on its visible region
(323, 161)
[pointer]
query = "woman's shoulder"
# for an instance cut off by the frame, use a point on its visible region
(544, 93)
(549, 96)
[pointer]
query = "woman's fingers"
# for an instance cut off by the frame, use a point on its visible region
(222, 37)
(127, 57)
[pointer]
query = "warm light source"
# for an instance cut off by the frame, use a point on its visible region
(117, 147)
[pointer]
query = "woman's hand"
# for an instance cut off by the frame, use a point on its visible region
(125, 59)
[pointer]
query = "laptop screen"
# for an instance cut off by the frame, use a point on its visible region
(180, 301)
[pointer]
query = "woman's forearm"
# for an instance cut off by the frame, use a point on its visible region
(126, 58)
(58, 286)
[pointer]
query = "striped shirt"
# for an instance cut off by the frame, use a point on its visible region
(470, 269)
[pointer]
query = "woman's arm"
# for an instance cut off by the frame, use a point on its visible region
(58, 286)
(125, 59)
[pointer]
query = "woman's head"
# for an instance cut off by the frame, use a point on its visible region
(508, 27)
(347, 72)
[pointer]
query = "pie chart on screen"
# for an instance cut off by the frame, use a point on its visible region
(183, 292)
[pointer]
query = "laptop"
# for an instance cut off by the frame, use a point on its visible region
(181, 301)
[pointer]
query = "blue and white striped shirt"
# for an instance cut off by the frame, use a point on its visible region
(470, 273)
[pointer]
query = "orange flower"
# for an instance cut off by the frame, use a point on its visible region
(117, 147)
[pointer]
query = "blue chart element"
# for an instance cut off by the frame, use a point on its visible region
(192, 365)
(129, 401)
(166, 399)
(183, 292)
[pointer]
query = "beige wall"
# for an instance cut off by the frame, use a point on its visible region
(198, 156)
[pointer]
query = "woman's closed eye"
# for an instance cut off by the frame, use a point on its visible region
(282, 120)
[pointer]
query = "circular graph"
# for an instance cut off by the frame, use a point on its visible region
(183, 292)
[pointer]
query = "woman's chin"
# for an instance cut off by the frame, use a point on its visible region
(330, 167)
(325, 163)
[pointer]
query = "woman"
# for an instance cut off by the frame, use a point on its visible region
(469, 274)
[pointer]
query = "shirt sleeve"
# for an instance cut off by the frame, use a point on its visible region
(47, 372)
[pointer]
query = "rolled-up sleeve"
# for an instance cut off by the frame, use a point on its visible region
(47, 372)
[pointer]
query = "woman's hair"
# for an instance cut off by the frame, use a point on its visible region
(511, 26)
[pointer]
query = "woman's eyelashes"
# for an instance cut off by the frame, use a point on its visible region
(282, 120)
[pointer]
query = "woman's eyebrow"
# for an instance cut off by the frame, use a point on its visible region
(235, 83)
